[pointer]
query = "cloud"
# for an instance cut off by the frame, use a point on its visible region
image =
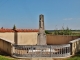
(68, 19)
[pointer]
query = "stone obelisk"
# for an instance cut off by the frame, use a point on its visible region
(41, 34)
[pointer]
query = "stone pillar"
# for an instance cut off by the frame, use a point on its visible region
(15, 37)
(41, 34)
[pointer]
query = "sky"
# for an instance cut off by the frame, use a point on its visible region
(25, 13)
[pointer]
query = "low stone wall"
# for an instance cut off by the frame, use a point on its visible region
(6, 46)
(7, 35)
(21, 38)
(27, 38)
(59, 39)
(30, 38)
(75, 46)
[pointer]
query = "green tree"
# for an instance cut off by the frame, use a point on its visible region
(63, 31)
(56, 32)
(47, 32)
(1, 27)
(14, 27)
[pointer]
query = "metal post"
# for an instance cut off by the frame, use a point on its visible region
(50, 51)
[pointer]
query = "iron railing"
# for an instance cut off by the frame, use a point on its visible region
(41, 50)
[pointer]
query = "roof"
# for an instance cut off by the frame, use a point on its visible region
(18, 30)
(6, 30)
(26, 30)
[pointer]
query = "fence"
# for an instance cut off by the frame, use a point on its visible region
(41, 51)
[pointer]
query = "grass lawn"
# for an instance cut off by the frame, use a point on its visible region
(5, 58)
(77, 57)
